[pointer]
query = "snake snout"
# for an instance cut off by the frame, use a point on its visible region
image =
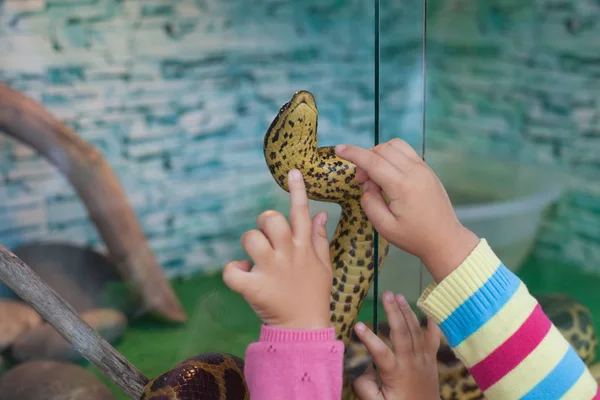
(304, 97)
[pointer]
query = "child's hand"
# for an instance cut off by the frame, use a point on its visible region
(290, 283)
(419, 218)
(410, 370)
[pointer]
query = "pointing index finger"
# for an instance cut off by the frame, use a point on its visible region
(299, 213)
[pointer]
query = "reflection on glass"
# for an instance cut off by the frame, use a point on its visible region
(511, 114)
(402, 116)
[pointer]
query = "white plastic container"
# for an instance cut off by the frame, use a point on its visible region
(500, 200)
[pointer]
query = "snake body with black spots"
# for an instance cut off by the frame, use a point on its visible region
(291, 142)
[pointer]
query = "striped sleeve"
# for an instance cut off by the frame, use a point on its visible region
(502, 335)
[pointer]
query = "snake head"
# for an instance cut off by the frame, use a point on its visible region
(301, 97)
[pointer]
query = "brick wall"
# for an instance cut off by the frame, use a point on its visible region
(178, 94)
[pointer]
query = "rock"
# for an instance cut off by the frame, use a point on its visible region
(51, 380)
(45, 343)
(16, 318)
(85, 278)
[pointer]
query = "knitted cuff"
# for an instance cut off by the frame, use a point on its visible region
(271, 334)
(439, 301)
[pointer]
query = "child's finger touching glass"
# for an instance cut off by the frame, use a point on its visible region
(299, 212)
(414, 328)
(399, 332)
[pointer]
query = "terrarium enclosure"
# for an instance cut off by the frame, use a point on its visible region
(132, 159)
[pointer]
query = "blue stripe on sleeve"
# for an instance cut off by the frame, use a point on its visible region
(562, 378)
(481, 306)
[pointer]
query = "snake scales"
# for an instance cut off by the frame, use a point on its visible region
(291, 142)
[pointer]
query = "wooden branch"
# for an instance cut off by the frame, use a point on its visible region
(101, 193)
(61, 316)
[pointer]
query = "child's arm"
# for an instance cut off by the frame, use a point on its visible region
(297, 356)
(502, 335)
(292, 364)
(494, 325)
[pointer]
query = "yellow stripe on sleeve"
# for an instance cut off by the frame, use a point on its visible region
(439, 301)
(498, 329)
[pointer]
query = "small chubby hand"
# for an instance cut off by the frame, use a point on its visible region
(290, 283)
(419, 217)
(407, 372)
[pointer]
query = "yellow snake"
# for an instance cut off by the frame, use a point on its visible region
(291, 142)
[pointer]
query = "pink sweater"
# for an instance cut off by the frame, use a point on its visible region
(489, 318)
(295, 365)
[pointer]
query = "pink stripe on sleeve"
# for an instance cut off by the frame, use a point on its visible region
(597, 396)
(514, 350)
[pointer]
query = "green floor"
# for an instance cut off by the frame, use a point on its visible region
(220, 320)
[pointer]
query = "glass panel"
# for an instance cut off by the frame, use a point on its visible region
(511, 131)
(132, 157)
(401, 115)
(402, 103)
